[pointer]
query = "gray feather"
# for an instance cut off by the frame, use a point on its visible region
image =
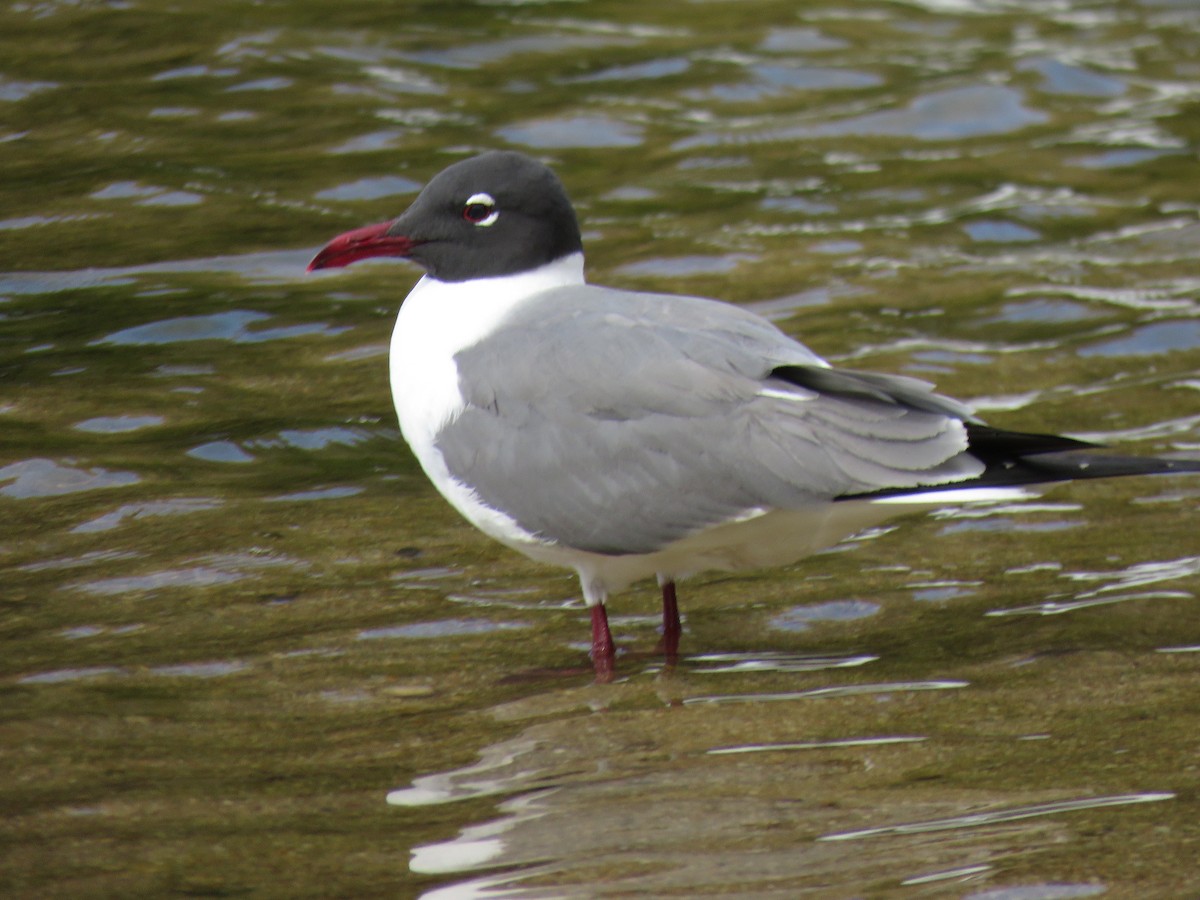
(618, 422)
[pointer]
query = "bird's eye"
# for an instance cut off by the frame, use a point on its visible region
(480, 210)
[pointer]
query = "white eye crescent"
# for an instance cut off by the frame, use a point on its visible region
(480, 210)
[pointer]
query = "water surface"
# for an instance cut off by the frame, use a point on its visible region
(248, 652)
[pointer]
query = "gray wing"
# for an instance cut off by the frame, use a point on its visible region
(618, 422)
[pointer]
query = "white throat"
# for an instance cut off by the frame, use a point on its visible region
(437, 320)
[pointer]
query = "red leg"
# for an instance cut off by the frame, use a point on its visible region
(669, 645)
(604, 651)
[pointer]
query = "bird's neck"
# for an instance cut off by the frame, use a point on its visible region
(459, 313)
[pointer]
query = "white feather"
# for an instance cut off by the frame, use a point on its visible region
(437, 320)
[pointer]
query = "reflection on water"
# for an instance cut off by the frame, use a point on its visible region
(976, 820)
(1033, 891)
(574, 131)
(118, 424)
(840, 690)
(445, 628)
(230, 326)
(221, 452)
(594, 810)
(817, 745)
(760, 661)
(801, 617)
(32, 478)
(1161, 337)
(229, 599)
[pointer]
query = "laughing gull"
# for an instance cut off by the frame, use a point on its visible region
(627, 435)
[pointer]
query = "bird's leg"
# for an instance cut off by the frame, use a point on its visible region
(604, 651)
(669, 645)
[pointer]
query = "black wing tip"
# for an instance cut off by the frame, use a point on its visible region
(1048, 467)
(996, 445)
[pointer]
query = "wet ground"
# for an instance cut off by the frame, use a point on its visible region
(246, 650)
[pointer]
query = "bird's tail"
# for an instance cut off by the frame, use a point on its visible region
(1015, 458)
(1076, 465)
(1018, 457)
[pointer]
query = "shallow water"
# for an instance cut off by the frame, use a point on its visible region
(246, 651)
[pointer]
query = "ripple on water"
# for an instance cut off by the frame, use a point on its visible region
(494, 773)
(227, 326)
(947, 874)
(474, 56)
(773, 80)
(1149, 340)
(127, 190)
(213, 570)
(443, 628)
(149, 509)
(973, 111)
(13, 91)
(316, 438)
(510, 599)
(1049, 311)
(192, 576)
(779, 308)
(370, 189)
(651, 69)
(173, 112)
(354, 354)
(1119, 586)
(818, 745)
(1000, 517)
(836, 248)
(329, 493)
(1063, 78)
(170, 371)
(76, 562)
(768, 661)
(1168, 296)
(46, 478)
(999, 816)
(275, 267)
(841, 690)
(64, 676)
(215, 669)
(1138, 575)
(81, 632)
(1059, 607)
(118, 424)
(385, 139)
(939, 592)
(800, 205)
(631, 194)
(1047, 891)
(172, 198)
(195, 71)
(573, 131)
(277, 83)
(21, 222)
(1115, 159)
(800, 618)
(999, 231)
(683, 266)
(221, 452)
(799, 40)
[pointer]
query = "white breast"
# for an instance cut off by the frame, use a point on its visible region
(437, 320)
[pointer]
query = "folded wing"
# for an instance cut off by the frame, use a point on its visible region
(632, 420)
